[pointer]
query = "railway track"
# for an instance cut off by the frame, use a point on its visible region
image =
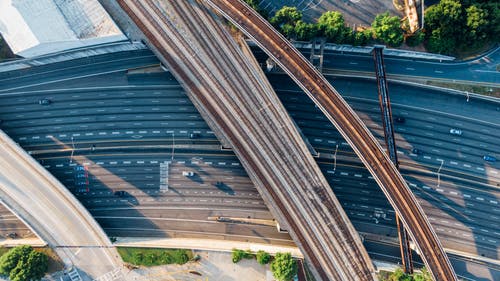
(349, 125)
(302, 199)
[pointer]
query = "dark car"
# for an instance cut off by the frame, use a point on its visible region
(44, 102)
(400, 119)
(194, 136)
(416, 151)
(121, 193)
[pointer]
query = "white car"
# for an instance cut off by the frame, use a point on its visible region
(456, 132)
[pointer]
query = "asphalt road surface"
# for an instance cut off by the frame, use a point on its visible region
(123, 126)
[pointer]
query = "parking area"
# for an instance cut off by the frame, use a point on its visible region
(356, 12)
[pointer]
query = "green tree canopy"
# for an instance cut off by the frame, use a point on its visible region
(362, 38)
(444, 26)
(22, 263)
(388, 29)
(305, 31)
(255, 5)
(284, 267)
(477, 23)
(286, 15)
(332, 25)
(263, 257)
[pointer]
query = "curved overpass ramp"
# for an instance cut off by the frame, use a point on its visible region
(349, 125)
(53, 213)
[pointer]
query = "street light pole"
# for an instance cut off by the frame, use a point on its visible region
(173, 146)
(438, 173)
(72, 151)
(335, 158)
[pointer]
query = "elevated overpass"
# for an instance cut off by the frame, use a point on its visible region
(349, 125)
(220, 78)
(53, 213)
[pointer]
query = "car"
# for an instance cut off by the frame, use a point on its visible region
(44, 102)
(80, 168)
(121, 193)
(194, 136)
(489, 158)
(187, 173)
(400, 119)
(80, 183)
(454, 131)
(416, 151)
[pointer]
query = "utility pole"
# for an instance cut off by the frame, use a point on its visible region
(438, 172)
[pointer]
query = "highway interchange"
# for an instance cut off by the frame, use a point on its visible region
(470, 202)
(463, 210)
(235, 98)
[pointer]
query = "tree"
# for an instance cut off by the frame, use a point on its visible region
(477, 24)
(255, 5)
(399, 275)
(362, 38)
(286, 15)
(22, 263)
(332, 25)
(415, 39)
(284, 267)
(424, 275)
(10, 259)
(443, 26)
(263, 257)
(305, 31)
(388, 29)
(438, 42)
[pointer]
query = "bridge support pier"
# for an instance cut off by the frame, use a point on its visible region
(385, 108)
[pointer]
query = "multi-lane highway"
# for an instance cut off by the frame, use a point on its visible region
(209, 64)
(349, 125)
(464, 211)
(480, 70)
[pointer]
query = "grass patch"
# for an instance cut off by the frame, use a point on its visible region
(154, 256)
(476, 89)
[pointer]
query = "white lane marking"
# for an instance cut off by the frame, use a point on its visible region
(410, 68)
(453, 163)
(438, 71)
(103, 133)
(466, 195)
(467, 165)
(427, 157)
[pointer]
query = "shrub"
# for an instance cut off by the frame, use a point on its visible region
(284, 267)
(237, 255)
(263, 257)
